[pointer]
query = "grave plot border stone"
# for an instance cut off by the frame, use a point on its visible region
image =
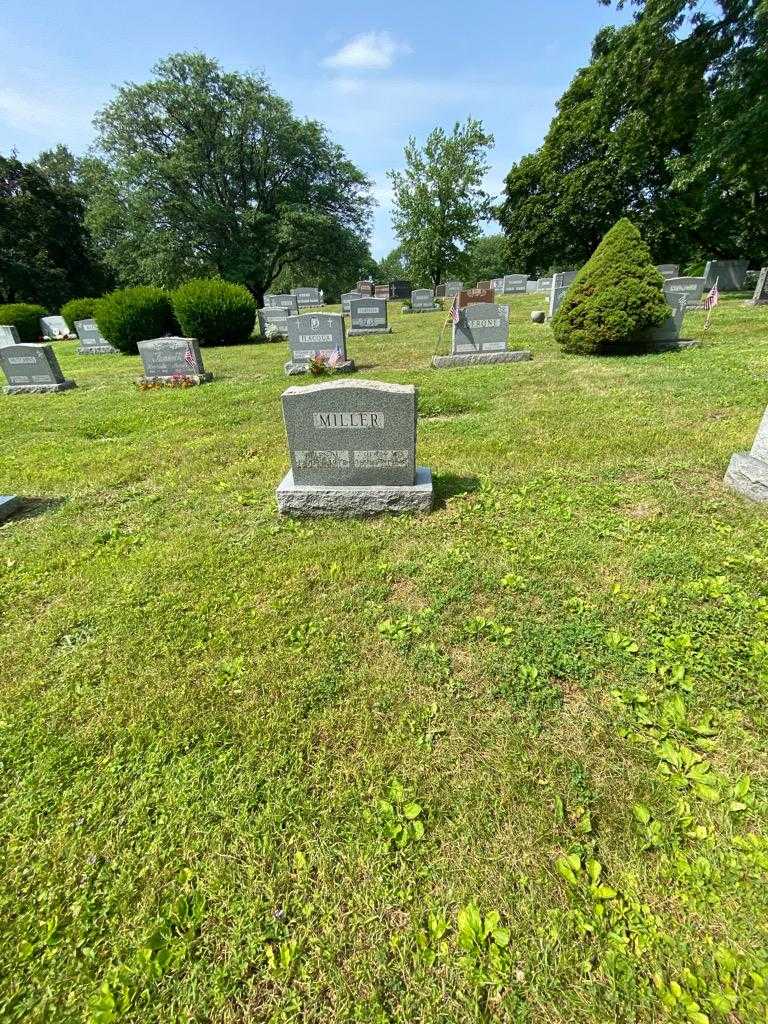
(747, 472)
(356, 500)
(93, 350)
(200, 376)
(9, 505)
(384, 328)
(60, 383)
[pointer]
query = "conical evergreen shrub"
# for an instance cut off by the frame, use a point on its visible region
(616, 298)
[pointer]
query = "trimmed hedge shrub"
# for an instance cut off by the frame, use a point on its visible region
(25, 317)
(214, 311)
(616, 298)
(78, 309)
(131, 315)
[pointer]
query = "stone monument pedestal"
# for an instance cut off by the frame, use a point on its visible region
(188, 378)
(38, 389)
(480, 358)
(355, 331)
(748, 476)
(9, 504)
(672, 344)
(353, 502)
(98, 350)
(293, 369)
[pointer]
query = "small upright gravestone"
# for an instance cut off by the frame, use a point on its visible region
(92, 341)
(747, 472)
(400, 289)
(544, 284)
(439, 291)
(9, 503)
(453, 288)
(353, 451)
(729, 274)
(273, 321)
(668, 270)
(32, 369)
(560, 284)
(515, 284)
(167, 360)
(480, 336)
(365, 288)
(761, 290)
(422, 301)
(667, 336)
(473, 295)
(498, 285)
(381, 291)
(54, 327)
(368, 316)
(306, 297)
(8, 335)
(346, 299)
(485, 285)
(283, 301)
(691, 287)
(317, 334)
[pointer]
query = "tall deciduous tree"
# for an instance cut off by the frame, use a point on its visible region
(439, 200)
(205, 171)
(487, 258)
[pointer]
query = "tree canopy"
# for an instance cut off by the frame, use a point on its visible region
(439, 200)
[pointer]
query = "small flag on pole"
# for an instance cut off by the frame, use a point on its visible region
(710, 302)
(455, 310)
(189, 357)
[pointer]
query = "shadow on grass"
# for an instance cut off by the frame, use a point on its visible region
(31, 507)
(450, 485)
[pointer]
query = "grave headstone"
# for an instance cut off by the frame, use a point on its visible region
(169, 359)
(307, 297)
(485, 285)
(544, 284)
(668, 270)
(480, 336)
(439, 291)
(317, 334)
(54, 327)
(667, 336)
(8, 335)
(400, 289)
(365, 288)
(32, 369)
(368, 316)
(346, 298)
(276, 318)
(381, 291)
(498, 285)
(560, 284)
(515, 284)
(285, 301)
(353, 451)
(466, 298)
(422, 301)
(729, 274)
(761, 290)
(747, 472)
(9, 503)
(531, 286)
(691, 287)
(92, 341)
(453, 288)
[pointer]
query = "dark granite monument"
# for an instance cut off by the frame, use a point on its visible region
(480, 336)
(317, 334)
(169, 359)
(368, 316)
(32, 369)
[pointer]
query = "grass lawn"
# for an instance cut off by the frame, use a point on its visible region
(508, 761)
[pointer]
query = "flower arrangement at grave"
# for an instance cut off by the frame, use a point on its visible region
(177, 380)
(323, 363)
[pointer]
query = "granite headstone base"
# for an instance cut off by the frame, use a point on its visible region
(355, 502)
(353, 331)
(480, 358)
(98, 350)
(748, 476)
(422, 309)
(293, 369)
(672, 345)
(173, 378)
(9, 504)
(38, 389)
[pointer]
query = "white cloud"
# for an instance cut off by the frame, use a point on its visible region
(372, 51)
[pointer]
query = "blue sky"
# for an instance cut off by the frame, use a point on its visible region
(374, 74)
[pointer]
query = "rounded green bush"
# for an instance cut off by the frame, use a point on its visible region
(616, 298)
(131, 315)
(25, 317)
(214, 311)
(78, 309)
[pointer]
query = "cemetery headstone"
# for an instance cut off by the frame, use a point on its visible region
(54, 327)
(368, 316)
(668, 270)
(466, 298)
(285, 301)
(667, 336)
(317, 334)
(9, 503)
(531, 286)
(308, 297)
(480, 336)
(729, 274)
(381, 291)
(544, 284)
(399, 289)
(170, 359)
(346, 298)
(365, 287)
(515, 284)
(439, 291)
(276, 319)
(32, 369)
(353, 451)
(747, 472)
(422, 301)
(453, 288)
(8, 335)
(92, 341)
(498, 285)
(691, 287)
(758, 299)
(560, 284)
(485, 285)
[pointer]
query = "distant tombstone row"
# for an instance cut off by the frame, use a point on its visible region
(515, 284)
(422, 301)
(352, 447)
(730, 275)
(480, 336)
(92, 341)
(168, 359)
(760, 296)
(317, 334)
(368, 315)
(306, 297)
(32, 369)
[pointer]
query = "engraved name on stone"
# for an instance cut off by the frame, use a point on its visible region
(473, 324)
(322, 459)
(310, 339)
(347, 420)
(382, 459)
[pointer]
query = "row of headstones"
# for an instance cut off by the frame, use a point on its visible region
(91, 340)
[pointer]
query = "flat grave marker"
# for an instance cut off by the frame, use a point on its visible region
(32, 369)
(169, 359)
(352, 446)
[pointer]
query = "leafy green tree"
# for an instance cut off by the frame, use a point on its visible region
(46, 254)
(439, 200)
(616, 297)
(204, 171)
(394, 267)
(487, 258)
